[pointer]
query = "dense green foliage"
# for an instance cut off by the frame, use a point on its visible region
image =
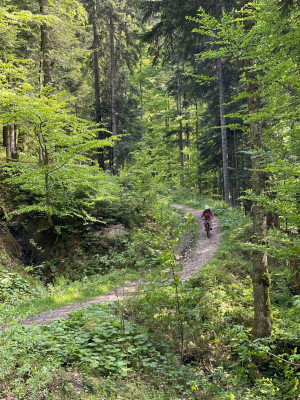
(110, 111)
(193, 334)
(93, 339)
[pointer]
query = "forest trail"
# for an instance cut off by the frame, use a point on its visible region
(204, 251)
(205, 248)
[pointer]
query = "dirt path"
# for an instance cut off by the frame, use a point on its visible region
(205, 248)
(190, 264)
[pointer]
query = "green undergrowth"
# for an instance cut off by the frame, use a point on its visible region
(208, 320)
(61, 293)
(175, 340)
(72, 359)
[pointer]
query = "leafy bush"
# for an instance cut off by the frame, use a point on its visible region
(13, 286)
(141, 248)
(93, 340)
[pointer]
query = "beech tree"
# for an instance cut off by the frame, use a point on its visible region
(39, 24)
(217, 30)
(260, 277)
(65, 142)
(250, 38)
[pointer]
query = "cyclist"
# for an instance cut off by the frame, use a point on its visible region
(207, 213)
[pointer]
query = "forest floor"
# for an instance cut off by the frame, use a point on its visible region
(190, 261)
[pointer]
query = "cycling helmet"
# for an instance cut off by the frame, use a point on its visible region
(206, 207)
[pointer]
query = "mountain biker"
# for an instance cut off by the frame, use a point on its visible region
(207, 213)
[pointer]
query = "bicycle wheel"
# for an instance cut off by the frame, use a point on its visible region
(207, 228)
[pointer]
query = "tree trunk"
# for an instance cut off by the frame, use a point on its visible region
(13, 141)
(187, 130)
(180, 134)
(295, 275)
(142, 112)
(97, 87)
(48, 197)
(45, 63)
(44, 156)
(167, 120)
(6, 136)
(260, 277)
(96, 46)
(113, 88)
(46, 73)
(223, 129)
(219, 183)
(198, 151)
(10, 142)
(261, 280)
(142, 106)
(236, 165)
(273, 220)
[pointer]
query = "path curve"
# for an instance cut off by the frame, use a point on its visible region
(205, 249)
